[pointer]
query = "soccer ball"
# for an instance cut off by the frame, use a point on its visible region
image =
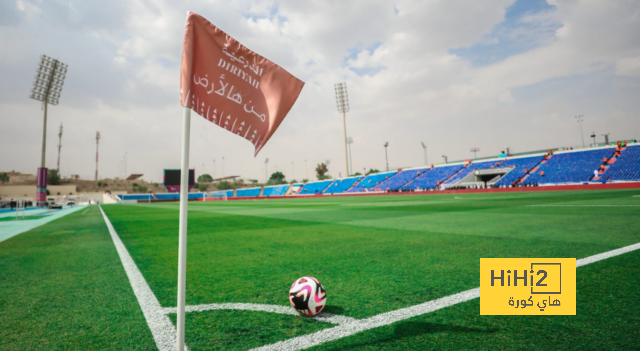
(307, 296)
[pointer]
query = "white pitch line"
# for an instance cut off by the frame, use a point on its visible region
(85, 211)
(603, 256)
(348, 329)
(163, 331)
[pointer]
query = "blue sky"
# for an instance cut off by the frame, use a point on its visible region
(512, 36)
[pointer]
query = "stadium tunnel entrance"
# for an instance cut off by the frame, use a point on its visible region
(482, 178)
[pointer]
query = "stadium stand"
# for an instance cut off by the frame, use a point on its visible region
(171, 196)
(522, 166)
(253, 192)
(228, 193)
(399, 179)
(315, 187)
(341, 185)
(135, 197)
(569, 167)
(470, 168)
(430, 179)
(561, 168)
(626, 167)
(370, 181)
(277, 190)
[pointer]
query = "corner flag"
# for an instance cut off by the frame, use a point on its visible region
(235, 88)
(228, 84)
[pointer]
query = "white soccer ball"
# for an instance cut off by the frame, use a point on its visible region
(307, 296)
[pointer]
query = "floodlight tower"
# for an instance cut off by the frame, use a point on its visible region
(97, 153)
(266, 177)
(424, 146)
(475, 152)
(606, 138)
(445, 158)
(342, 102)
(579, 119)
(593, 135)
(349, 142)
(59, 146)
(47, 88)
(386, 156)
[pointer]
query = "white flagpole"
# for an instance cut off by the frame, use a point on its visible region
(182, 250)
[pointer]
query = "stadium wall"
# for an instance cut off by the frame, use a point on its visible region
(610, 186)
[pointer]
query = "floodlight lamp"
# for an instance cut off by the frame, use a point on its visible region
(49, 80)
(386, 144)
(423, 145)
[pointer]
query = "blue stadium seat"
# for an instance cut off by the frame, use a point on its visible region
(522, 165)
(627, 166)
(399, 179)
(370, 181)
(276, 190)
(341, 185)
(569, 167)
(253, 192)
(315, 187)
(430, 179)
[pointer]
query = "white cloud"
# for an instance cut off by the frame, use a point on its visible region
(628, 67)
(124, 73)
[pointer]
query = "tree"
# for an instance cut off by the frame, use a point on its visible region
(202, 186)
(357, 174)
(205, 178)
(53, 178)
(372, 171)
(4, 178)
(277, 178)
(305, 181)
(321, 170)
(293, 181)
(254, 181)
(225, 185)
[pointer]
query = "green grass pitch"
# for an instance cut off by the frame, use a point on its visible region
(62, 285)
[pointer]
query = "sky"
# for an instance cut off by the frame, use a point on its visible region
(452, 74)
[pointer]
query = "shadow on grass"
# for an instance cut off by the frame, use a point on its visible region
(333, 309)
(416, 329)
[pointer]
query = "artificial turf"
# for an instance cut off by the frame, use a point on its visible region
(378, 254)
(62, 287)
